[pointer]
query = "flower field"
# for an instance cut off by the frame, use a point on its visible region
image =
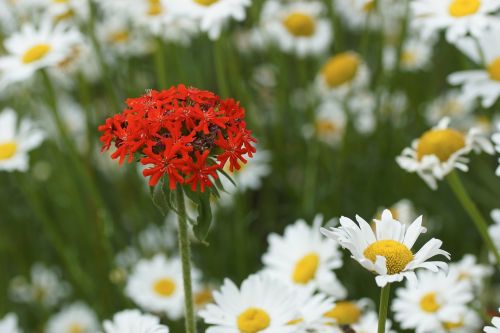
(250, 166)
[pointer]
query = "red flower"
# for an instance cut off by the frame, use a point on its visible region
(185, 134)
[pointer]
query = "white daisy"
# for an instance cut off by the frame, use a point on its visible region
(45, 287)
(261, 305)
(312, 308)
(496, 140)
(467, 269)
(403, 211)
(34, 48)
(451, 105)
(133, 321)
(496, 325)
(416, 55)
(341, 75)
(212, 15)
(369, 324)
(297, 27)
(482, 83)
(433, 303)
(387, 251)
(8, 324)
(494, 229)
(348, 312)
(302, 258)
(329, 124)
(457, 17)
(361, 105)
(77, 317)
(441, 150)
(157, 285)
(120, 39)
(17, 138)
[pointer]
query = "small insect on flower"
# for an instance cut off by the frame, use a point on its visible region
(183, 134)
(387, 251)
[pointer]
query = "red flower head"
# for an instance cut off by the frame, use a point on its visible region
(185, 134)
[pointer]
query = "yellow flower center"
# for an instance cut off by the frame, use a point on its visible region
(408, 58)
(75, 328)
(65, 16)
(203, 297)
(325, 127)
(60, 1)
(440, 142)
(155, 8)
(253, 320)
(428, 303)
(164, 287)
(7, 150)
(295, 321)
(118, 37)
(460, 8)
(300, 24)
(36, 53)
(340, 69)
(397, 255)
(494, 69)
(450, 325)
(368, 6)
(345, 313)
(206, 2)
(305, 269)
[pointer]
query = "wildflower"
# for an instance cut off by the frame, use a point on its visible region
(311, 309)
(303, 259)
(403, 211)
(156, 285)
(450, 105)
(441, 150)
(133, 321)
(467, 269)
(434, 303)
(16, 140)
(496, 326)
(348, 312)
(297, 27)
(457, 17)
(415, 55)
(75, 318)
(329, 124)
(368, 324)
(387, 251)
(44, 287)
(483, 83)
(261, 304)
(212, 15)
(9, 324)
(183, 134)
(342, 74)
(34, 48)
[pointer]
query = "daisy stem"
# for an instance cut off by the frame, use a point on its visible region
(161, 69)
(384, 305)
(185, 258)
(220, 67)
(474, 213)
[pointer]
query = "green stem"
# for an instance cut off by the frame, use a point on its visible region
(186, 264)
(474, 213)
(384, 305)
(160, 66)
(220, 68)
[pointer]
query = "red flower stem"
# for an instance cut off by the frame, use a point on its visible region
(185, 258)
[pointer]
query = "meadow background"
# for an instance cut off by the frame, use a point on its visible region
(54, 215)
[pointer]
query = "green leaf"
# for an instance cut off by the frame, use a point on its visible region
(161, 198)
(203, 221)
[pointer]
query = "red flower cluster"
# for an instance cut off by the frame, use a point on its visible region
(184, 133)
